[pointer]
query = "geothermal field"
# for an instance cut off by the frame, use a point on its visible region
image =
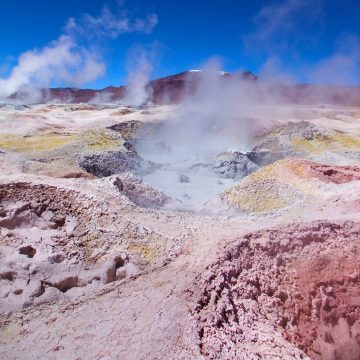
(220, 220)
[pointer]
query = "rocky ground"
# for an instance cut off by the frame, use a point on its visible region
(108, 251)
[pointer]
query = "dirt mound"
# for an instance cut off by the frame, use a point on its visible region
(132, 129)
(108, 152)
(305, 140)
(297, 285)
(272, 187)
(114, 162)
(285, 183)
(281, 137)
(40, 198)
(139, 192)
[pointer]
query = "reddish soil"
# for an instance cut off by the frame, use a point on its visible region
(325, 314)
(335, 174)
(301, 283)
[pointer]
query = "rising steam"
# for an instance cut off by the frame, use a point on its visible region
(140, 68)
(62, 60)
(219, 115)
(72, 58)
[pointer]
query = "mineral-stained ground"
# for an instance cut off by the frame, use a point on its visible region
(113, 246)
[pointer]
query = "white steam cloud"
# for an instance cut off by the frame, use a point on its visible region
(62, 60)
(219, 113)
(218, 118)
(71, 59)
(140, 69)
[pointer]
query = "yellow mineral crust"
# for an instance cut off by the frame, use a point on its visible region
(322, 143)
(273, 187)
(34, 143)
(101, 140)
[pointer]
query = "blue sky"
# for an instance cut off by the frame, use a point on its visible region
(314, 41)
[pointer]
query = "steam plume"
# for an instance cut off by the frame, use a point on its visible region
(72, 58)
(140, 68)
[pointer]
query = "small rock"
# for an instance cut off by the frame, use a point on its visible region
(64, 282)
(233, 165)
(56, 258)
(27, 250)
(183, 178)
(119, 184)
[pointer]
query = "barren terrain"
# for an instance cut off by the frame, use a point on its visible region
(118, 241)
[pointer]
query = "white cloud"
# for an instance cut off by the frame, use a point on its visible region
(109, 25)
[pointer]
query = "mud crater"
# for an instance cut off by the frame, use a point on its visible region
(44, 248)
(300, 285)
(182, 167)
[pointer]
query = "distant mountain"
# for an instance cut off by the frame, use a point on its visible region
(171, 89)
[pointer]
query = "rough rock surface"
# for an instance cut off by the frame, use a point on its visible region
(304, 139)
(45, 246)
(140, 193)
(287, 183)
(233, 165)
(301, 282)
(114, 162)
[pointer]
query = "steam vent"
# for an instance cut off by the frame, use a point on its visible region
(200, 214)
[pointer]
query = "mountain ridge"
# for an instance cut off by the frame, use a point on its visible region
(172, 89)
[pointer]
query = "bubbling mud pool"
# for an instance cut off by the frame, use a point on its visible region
(193, 188)
(192, 171)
